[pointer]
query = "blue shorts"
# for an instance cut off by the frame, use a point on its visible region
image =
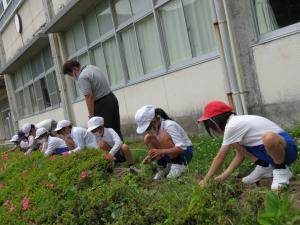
(183, 158)
(59, 151)
(291, 150)
(119, 157)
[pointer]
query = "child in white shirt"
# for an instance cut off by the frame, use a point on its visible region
(81, 137)
(110, 141)
(52, 145)
(166, 141)
(254, 137)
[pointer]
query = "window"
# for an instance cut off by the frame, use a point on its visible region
(104, 18)
(35, 84)
(149, 45)
(132, 39)
(3, 5)
(132, 54)
(275, 14)
(113, 62)
(123, 10)
(175, 32)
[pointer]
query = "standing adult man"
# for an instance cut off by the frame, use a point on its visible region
(99, 99)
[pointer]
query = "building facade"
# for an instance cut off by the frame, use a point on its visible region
(174, 54)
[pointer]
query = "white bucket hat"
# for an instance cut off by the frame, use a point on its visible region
(14, 138)
(41, 131)
(143, 118)
(62, 124)
(26, 129)
(95, 122)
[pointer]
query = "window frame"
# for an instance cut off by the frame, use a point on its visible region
(272, 35)
(32, 82)
(116, 32)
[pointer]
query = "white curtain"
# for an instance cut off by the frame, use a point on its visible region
(132, 55)
(113, 62)
(100, 60)
(265, 16)
(149, 43)
(175, 32)
(199, 22)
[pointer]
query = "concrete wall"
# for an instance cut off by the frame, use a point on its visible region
(33, 18)
(182, 94)
(277, 65)
(278, 69)
(58, 5)
(56, 114)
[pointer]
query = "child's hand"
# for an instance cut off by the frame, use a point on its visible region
(154, 153)
(220, 178)
(203, 183)
(147, 160)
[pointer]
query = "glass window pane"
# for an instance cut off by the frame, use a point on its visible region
(69, 42)
(132, 55)
(24, 105)
(113, 62)
(53, 89)
(84, 59)
(39, 95)
(37, 66)
(149, 44)
(100, 60)
(140, 6)
(19, 104)
(33, 99)
(199, 22)
(1, 8)
(104, 17)
(26, 73)
(18, 81)
(79, 37)
(91, 27)
(175, 32)
(123, 10)
(47, 56)
(27, 100)
(45, 92)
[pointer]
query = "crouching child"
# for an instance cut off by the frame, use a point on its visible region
(254, 137)
(51, 145)
(110, 141)
(166, 141)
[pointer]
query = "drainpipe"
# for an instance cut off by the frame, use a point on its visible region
(223, 38)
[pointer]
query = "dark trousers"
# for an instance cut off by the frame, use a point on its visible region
(108, 108)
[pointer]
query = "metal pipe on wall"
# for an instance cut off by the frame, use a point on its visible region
(223, 37)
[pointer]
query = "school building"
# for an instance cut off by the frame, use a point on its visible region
(174, 54)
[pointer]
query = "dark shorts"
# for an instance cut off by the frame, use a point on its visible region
(119, 157)
(183, 158)
(291, 150)
(59, 151)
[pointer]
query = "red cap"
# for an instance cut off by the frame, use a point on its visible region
(215, 108)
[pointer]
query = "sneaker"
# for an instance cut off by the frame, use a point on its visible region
(281, 177)
(161, 172)
(176, 170)
(258, 173)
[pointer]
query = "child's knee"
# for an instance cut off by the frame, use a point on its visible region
(270, 139)
(125, 147)
(148, 138)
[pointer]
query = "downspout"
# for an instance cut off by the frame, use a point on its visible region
(223, 38)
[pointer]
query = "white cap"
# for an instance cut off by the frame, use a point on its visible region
(14, 138)
(95, 122)
(143, 118)
(41, 131)
(62, 124)
(26, 129)
(45, 123)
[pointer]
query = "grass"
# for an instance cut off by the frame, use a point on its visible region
(59, 194)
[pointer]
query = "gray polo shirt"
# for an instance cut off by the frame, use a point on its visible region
(92, 81)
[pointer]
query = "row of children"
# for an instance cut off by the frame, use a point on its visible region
(262, 141)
